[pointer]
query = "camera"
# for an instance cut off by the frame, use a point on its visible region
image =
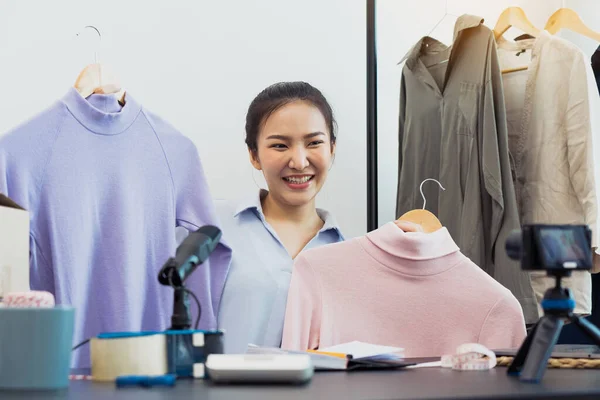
(551, 247)
(558, 250)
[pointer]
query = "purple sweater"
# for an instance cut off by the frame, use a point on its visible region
(106, 186)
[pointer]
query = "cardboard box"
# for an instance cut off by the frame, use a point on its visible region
(14, 247)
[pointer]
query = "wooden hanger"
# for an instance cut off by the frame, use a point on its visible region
(95, 78)
(515, 69)
(428, 221)
(565, 18)
(514, 16)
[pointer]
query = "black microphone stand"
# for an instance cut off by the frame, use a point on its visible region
(181, 319)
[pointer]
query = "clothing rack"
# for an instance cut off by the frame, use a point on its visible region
(372, 195)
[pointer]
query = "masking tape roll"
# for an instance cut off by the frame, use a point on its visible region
(470, 357)
(32, 299)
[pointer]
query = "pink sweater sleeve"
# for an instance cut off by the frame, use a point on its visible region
(303, 312)
(504, 326)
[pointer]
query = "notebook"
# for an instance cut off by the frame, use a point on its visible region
(347, 356)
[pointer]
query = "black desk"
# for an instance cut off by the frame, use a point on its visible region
(409, 384)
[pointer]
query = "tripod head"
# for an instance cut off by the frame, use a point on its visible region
(558, 301)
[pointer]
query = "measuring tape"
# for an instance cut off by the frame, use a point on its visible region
(470, 357)
(80, 377)
(35, 299)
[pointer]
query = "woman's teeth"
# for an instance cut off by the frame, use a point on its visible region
(298, 180)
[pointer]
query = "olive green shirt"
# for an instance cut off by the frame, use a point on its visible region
(453, 129)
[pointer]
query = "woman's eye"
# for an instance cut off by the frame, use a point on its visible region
(316, 143)
(278, 146)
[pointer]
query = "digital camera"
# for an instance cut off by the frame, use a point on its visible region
(551, 247)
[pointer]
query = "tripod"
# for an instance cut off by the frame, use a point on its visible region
(532, 358)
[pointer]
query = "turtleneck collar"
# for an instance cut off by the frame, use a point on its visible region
(410, 252)
(101, 113)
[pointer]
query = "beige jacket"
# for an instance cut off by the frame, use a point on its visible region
(550, 141)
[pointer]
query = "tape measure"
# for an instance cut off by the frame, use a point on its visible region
(32, 299)
(470, 357)
(80, 377)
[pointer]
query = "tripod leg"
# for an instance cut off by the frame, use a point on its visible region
(544, 337)
(586, 326)
(515, 367)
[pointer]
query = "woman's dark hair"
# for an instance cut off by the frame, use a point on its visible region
(278, 95)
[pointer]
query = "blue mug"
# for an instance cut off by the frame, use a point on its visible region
(35, 347)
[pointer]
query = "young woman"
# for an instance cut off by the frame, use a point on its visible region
(290, 134)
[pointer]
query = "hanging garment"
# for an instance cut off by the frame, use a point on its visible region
(596, 66)
(593, 78)
(595, 111)
(255, 294)
(106, 187)
(452, 127)
(410, 290)
(550, 138)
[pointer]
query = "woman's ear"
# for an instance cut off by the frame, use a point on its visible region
(332, 155)
(253, 154)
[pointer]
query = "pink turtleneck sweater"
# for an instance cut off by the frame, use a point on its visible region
(410, 290)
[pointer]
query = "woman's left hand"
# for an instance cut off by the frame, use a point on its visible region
(407, 226)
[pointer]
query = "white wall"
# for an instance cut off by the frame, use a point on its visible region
(400, 24)
(199, 64)
(589, 12)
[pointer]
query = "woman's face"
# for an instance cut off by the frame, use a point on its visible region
(294, 152)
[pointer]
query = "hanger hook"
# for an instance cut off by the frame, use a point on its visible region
(421, 189)
(441, 19)
(94, 28)
(99, 38)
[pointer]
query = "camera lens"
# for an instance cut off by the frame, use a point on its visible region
(514, 244)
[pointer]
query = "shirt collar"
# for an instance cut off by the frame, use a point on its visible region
(466, 21)
(463, 22)
(535, 44)
(413, 246)
(100, 113)
(253, 203)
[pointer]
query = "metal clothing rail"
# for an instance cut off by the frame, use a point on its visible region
(372, 196)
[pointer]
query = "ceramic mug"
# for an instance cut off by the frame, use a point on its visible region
(35, 347)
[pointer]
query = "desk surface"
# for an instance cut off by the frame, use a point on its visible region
(408, 384)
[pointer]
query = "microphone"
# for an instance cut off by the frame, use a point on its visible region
(193, 251)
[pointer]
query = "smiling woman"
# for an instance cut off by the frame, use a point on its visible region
(290, 134)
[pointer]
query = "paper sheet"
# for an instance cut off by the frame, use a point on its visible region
(433, 364)
(362, 350)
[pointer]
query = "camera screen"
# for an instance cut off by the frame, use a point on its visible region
(564, 247)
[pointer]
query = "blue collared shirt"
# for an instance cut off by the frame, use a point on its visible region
(254, 299)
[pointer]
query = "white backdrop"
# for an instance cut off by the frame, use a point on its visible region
(198, 64)
(400, 24)
(589, 11)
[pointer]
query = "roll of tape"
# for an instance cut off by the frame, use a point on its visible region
(32, 299)
(470, 357)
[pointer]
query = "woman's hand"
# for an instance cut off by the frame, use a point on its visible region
(407, 226)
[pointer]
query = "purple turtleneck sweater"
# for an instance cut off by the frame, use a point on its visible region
(106, 186)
